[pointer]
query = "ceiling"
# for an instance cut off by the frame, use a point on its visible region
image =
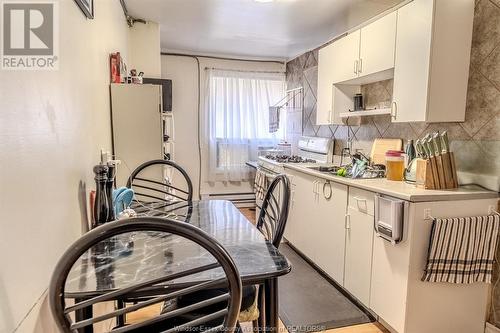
(280, 29)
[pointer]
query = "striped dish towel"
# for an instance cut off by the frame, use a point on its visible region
(462, 250)
(260, 185)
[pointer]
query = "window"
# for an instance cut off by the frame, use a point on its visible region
(238, 119)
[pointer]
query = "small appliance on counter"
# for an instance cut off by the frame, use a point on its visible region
(389, 218)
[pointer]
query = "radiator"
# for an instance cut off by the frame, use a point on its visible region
(241, 200)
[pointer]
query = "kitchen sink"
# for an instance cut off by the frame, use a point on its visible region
(325, 169)
(369, 173)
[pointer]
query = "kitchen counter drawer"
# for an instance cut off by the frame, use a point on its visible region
(362, 201)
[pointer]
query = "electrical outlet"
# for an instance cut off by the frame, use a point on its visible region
(104, 156)
(427, 214)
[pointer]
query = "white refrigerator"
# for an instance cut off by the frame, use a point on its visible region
(139, 127)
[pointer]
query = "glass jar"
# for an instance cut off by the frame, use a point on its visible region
(395, 165)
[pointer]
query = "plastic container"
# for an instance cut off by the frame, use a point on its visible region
(395, 165)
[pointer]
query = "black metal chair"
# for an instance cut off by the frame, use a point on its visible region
(217, 313)
(274, 212)
(271, 222)
(162, 182)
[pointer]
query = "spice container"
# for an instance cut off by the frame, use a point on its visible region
(395, 165)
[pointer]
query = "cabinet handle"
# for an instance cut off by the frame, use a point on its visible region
(348, 221)
(327, 190)
(394, 110)
(359, 199)
(355, 67)
(360, 69)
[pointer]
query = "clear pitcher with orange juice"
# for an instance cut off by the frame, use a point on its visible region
(395, 165)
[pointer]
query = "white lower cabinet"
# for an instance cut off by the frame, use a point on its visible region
(389, 281)
(384, 277)
(359, 247)
(316, 222)
(330, 234)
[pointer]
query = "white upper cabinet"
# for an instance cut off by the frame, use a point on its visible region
(424, 45)
(378, 43)
(325, 86)
(345, 54)
(431, 72)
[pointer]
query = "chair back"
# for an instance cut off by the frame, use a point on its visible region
(274, 211)
(104, 255)
(161, 181)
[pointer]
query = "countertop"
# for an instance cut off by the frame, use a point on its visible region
(252, 164)
(402, 190)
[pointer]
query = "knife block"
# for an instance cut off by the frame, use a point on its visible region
(424, 177)
(428, 177)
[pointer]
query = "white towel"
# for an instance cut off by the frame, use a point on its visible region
(274, 119)
(462, 250)
(260, 185)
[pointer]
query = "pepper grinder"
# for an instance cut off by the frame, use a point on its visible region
(110, 181)
(101, 206)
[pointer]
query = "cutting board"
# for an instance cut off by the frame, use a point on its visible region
(380, 146)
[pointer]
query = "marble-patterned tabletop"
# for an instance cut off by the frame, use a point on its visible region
(136, 257)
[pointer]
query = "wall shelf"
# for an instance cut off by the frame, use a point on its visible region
(365, 113)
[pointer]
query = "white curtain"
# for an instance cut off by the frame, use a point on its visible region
(237, 120)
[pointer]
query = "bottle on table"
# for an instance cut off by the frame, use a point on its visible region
(102, 205)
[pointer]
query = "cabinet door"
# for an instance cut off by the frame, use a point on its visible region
(345, 51)
(390, 281)
(411, 72)
(325, 86)
(291, 223)
(358, 254)
(304, 200)
(330, 231)
(378, 43)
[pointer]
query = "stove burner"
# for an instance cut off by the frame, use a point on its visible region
(289, 159)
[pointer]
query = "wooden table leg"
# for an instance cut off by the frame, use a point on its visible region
(271, 305)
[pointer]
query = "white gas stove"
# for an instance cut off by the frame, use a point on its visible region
(310, 150)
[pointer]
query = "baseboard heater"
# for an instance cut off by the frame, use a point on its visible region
(241, 200)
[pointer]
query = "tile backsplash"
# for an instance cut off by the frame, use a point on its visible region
(476, 142)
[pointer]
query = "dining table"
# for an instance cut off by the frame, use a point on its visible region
(141, 256)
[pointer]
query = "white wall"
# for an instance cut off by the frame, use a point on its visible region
(144, 52)
(52, 125)
(183, 71)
